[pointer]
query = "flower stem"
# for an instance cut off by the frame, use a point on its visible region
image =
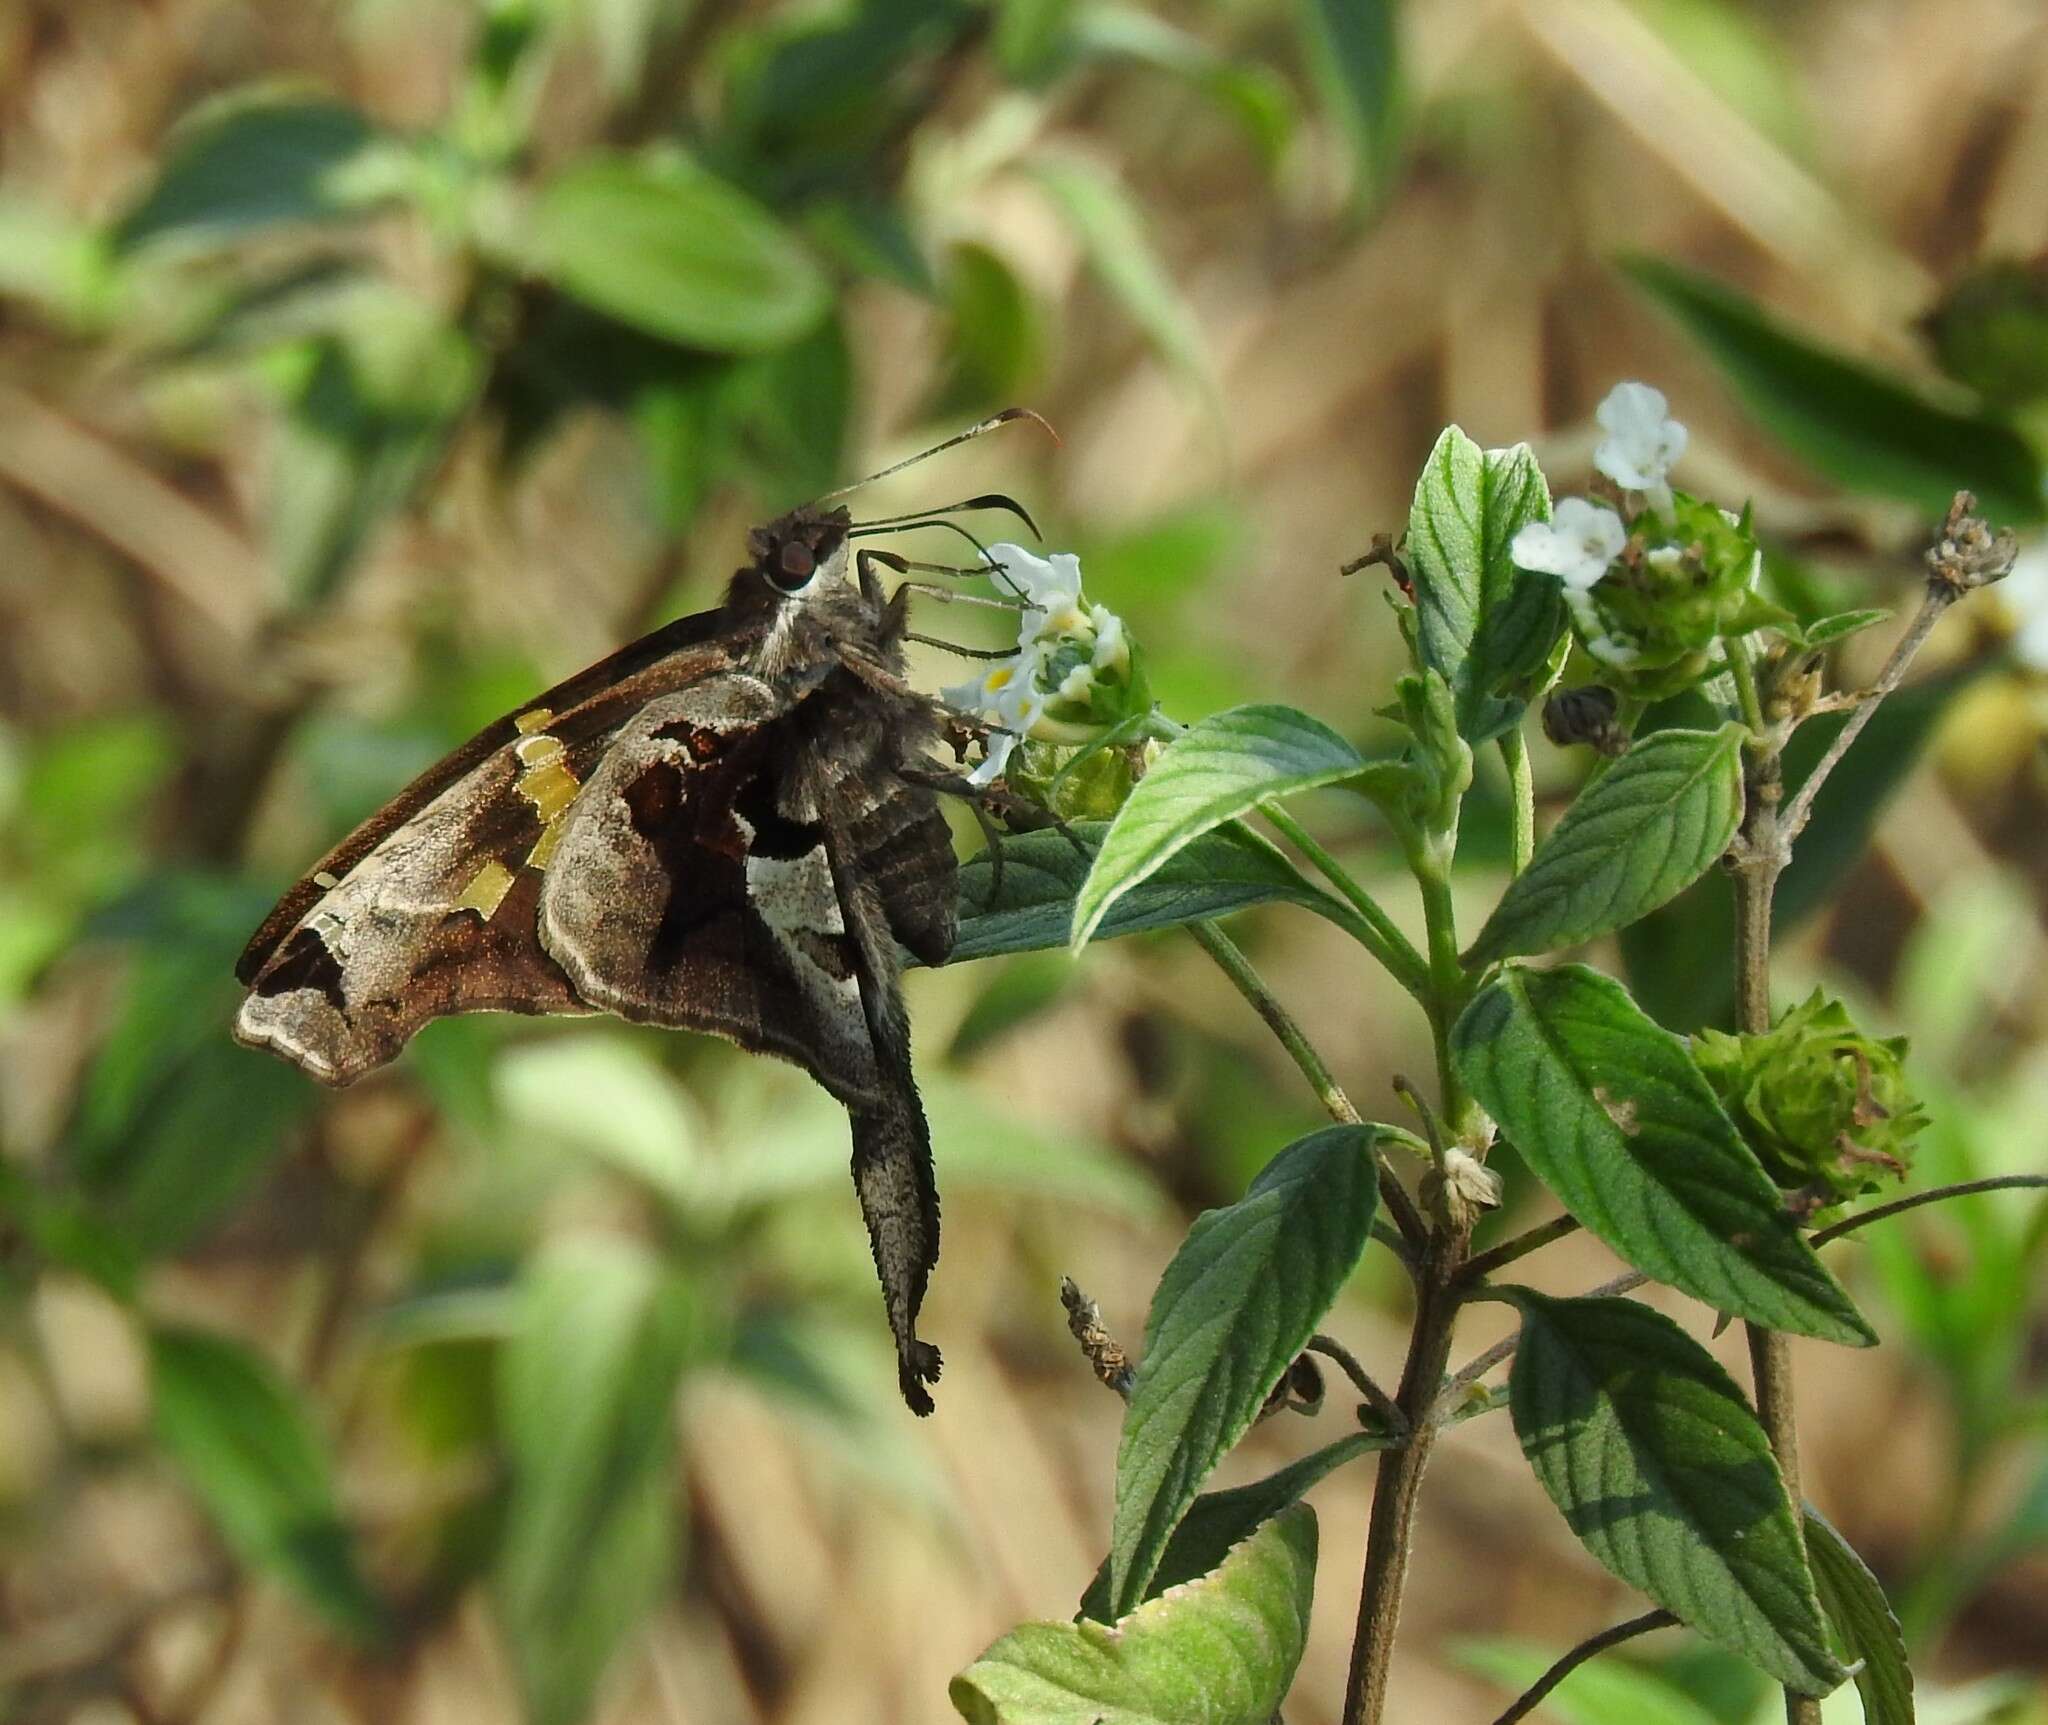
(1389, 945)
(1532, 1697)
(1938, 1195)
(1230, 959)
(1514, 750)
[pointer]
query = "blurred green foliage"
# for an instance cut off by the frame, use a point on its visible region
(681, 260)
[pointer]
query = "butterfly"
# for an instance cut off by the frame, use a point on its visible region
(730, 825)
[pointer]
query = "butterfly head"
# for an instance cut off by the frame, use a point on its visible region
(801, 553)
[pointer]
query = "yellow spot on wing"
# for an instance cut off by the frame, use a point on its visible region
(546, 782)
(528, 722)
(550, 789)
(486, 890)
(544, 847)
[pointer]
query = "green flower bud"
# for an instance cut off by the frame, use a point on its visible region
(1684, 583)
(1825, 1107)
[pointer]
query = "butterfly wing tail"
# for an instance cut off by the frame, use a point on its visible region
(892, 1171)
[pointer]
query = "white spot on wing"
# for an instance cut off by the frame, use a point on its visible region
(795, 894)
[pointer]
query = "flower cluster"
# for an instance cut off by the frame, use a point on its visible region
(1825, 1107)
(1071, 676)
(1652, 592)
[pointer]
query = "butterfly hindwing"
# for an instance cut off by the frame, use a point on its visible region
(689, 890)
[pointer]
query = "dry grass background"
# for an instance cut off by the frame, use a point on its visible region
(819, 1590)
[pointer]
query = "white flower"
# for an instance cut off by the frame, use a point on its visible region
(1008, 694)
(1050, 586)
(1066, 649)
(1642, 440)
(1576, 543)
(2024, 594)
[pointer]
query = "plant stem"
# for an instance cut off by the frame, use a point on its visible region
(1532, 1697)
(1483, 1264)
(1362, 1380)
(1514, 750)
(1761, 852)
(1744, 673)
(1230, 959)
(1390, 946)
(1389, 1535)
(1939, 1194)
(1473, 1370)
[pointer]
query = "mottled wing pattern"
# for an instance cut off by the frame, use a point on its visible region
(431, 907)
(689, 890)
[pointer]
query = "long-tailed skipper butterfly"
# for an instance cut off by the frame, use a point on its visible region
(730, 825)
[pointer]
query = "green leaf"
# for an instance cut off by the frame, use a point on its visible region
(1678, 956)
(1254, 93)
(365, 416)
(1111, 232)
(252, 161)
(1353, 51)
(1043, 874)
(1862, 428)
(1826, 631)
(245, 1444)
(1641, 833)
(675, 251)
(1242, 1296)
(1650, 1452)
(995, 340)
(587, 1392)
(1218, 1520)
(1863, 1619)
(1600, 1692)
(1609, 1111)
(604, 1094)
(1219, 768)
(174, 1120)
(1481, 623)
(1220, 1651)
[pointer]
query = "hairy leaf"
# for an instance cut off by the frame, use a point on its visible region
(1863, 1620)
(1483, 625)
(1653, 1456)
(1242, 1295)
(1218, 1520)
(1220, 1651)
(1861, 427)
(245, 1444)
(1043, 872)
(1218, 769)
(1608, 1109)
(1638, 835)
(677, 252)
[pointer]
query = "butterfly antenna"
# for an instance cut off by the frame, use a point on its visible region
(987, 500)
(968, 436)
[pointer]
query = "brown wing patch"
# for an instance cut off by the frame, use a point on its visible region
(683, 892)
(433, 921)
